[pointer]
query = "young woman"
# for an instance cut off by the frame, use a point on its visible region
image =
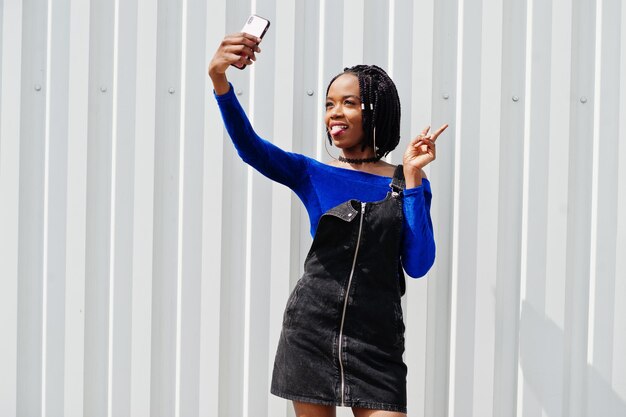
(343, 334)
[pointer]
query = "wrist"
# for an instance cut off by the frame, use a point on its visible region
(412, 177)
(215, 75)
(411, 171)
(220, 82)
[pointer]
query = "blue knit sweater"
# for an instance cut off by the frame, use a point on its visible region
(322, 187)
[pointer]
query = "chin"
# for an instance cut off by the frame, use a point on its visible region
(342, 144)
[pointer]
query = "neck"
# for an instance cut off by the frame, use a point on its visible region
(356, 153)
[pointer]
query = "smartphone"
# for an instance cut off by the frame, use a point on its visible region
(255, 26)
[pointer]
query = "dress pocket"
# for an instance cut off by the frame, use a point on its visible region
(292, 301)
(399, 320)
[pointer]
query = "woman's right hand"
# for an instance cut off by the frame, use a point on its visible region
(238, 49)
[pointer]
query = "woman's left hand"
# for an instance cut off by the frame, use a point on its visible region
(421, 151)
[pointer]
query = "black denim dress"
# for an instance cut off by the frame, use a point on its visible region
(343, 334)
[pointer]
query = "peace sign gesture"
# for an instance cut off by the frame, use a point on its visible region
(420, 152)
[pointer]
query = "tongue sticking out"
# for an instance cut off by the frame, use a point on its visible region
(337, 129)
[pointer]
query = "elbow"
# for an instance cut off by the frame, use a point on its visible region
(419, 267)
(247, 156)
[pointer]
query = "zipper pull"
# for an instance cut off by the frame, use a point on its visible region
(363, 208)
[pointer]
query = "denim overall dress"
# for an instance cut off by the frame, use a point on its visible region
(343, 334)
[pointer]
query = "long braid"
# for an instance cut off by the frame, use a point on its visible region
(380, 106)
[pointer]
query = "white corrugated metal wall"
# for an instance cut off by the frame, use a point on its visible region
(144, 269)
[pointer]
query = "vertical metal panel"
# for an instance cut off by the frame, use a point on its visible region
(540, 353)
(3, 36)
(32, 163)
(190, 248)
(375, 32)
(418, 112)
(166, 208)
(444, 99)
(487, 208)
(98, 233)
(618, 378)
(353, 27)
(509, 206)
(145, 267)
(78, 116)
(212, 274)
(555, 175)
(10, 103)
(467, 182)
(143, 208)
(122, 227)
(602, 399)
(55, 268)
(579, 206)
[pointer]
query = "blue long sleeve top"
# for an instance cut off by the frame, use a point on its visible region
(322, 187)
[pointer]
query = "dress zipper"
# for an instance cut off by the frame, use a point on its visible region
(345, 304)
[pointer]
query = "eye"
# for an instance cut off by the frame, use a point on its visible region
(328, 104)
(349, 102)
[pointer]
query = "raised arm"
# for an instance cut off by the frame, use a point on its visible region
(418, 253)
(284, 167)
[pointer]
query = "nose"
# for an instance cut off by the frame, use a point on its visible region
(335, 112)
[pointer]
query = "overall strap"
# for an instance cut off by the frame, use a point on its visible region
(397, 182)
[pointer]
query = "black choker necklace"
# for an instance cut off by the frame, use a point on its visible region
(358, 160)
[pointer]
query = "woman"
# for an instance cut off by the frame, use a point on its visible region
(343, 335)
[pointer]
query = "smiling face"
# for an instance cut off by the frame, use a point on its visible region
(343, 113)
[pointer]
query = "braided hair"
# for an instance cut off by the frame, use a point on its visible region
(380, 106)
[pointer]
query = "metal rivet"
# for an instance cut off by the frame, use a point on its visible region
(446, 96)
(310, 92)
(583, 99)
(515, 99)
(239, 92)
(349, 214)
(103, 89)
(171, 90)
(37, 87)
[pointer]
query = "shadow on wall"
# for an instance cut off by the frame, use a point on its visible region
(542, 345)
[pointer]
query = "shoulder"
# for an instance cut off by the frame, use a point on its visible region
(387, 169)
(334, 163)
